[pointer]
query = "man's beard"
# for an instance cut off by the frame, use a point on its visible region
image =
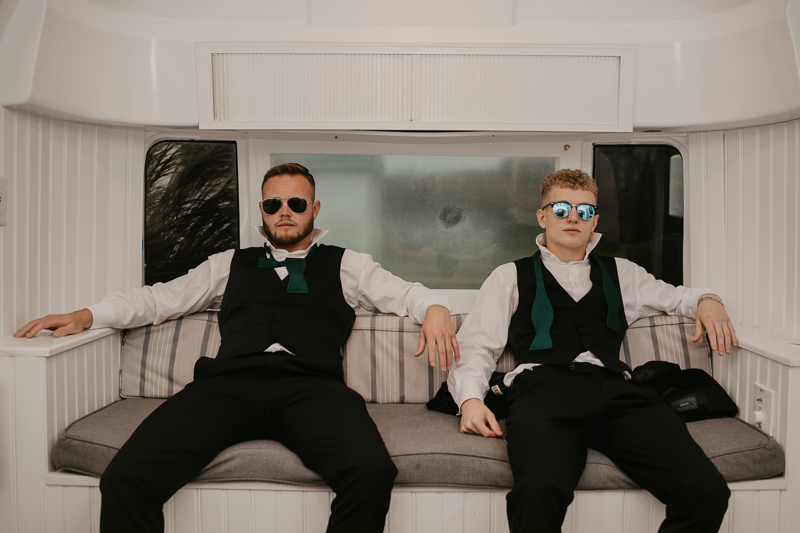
(288, 239)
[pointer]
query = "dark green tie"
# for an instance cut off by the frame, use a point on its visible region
(542, 310)
(296, 268)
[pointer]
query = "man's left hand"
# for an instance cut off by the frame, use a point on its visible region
(712, 316)
(439, 336)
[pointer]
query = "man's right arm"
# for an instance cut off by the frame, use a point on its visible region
(146, 305)
(482, 339)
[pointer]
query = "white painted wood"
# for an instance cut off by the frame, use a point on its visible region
(478, 512)
(401, 513)
(266, 511)
(213, 506)
(470, 13)
(415, 88)
(743, 226)
(66, 209)
(8, 482)
(30, 446)
(696, 212)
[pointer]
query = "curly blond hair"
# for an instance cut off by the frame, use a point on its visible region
(569, 179)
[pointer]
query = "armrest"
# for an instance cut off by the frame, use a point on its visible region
(769, 344)
(44, 345)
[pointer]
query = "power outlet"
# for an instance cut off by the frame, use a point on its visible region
(764, 413)
(3, 200)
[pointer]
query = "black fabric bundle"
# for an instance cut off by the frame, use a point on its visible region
(691, 393)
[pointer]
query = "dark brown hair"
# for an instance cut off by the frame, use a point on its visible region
(289, 169)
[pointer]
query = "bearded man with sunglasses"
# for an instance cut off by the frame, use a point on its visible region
(564, 312)
(287, 309)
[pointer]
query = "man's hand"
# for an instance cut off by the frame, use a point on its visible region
(439, 336)
(712, 316)
(478, 419)
(63, 325)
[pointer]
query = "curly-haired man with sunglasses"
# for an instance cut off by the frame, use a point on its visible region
(564, 312)
(287, 309)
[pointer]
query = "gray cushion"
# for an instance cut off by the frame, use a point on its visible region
(426, 446)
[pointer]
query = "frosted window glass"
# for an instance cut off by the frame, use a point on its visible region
(444, 221)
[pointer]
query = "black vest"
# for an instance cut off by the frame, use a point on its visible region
(577, 326)
(257, 312)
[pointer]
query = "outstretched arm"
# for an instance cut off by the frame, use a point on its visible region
(712, 317)
(439, 335)
(61, 325)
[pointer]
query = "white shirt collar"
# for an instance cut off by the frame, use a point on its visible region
(550, 257)
(281, 255)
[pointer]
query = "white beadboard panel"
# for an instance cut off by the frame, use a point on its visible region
(743, 225)
(30, 442)
(70, 236)
(76, 501)
(414, 88)
(8, 485)
(81, 381)
(72, 508)
(696, 221)
(286, 88)
(517, 89)
(738, 373)
(182, 512)
(479, 511)
(401, 512)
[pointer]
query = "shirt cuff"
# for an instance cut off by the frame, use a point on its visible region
(103, 315)
(473, 389)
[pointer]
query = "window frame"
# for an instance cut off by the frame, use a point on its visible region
(567, 148)
(242, 183)
(255, 149)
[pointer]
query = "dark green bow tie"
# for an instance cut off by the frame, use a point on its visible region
(296, 268)
(542, 310)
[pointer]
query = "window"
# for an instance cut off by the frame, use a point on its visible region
(641, 206)
(445, 221)
(191, 206)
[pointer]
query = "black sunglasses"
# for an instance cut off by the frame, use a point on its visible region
(273, 205)
(562, 209)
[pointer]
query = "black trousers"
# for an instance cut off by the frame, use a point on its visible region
(320, 419)
(557, 412)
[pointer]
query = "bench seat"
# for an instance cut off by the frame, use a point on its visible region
(426, 446)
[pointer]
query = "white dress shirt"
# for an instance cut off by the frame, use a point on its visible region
(364, 284)
(484, 334)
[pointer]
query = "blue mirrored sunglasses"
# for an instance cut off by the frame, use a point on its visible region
(562, 209)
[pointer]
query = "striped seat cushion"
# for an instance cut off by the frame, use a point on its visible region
(665, 338)
(157, 361)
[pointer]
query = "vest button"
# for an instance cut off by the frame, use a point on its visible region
(572, 367)
(280, 302)
(278, 318)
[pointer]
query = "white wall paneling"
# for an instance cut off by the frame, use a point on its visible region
(40, 397)
(745, 225)
(408, 88)
(272, 508)
(71, 234)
